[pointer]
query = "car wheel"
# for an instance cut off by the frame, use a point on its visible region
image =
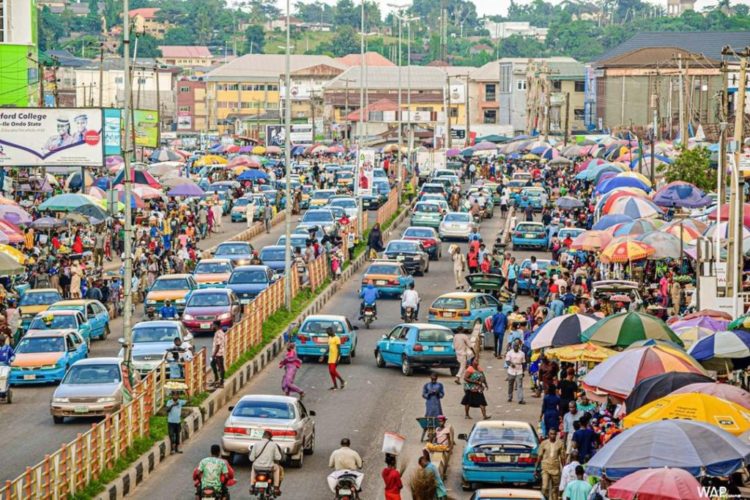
(379, 361)
(406, 367)
(354, 351)
(454, 371)
(310, 448)
(58, 420)
(298, 462)
(466, 486)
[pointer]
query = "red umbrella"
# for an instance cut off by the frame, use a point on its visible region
(724, 214)
(656, 484)
(233, 149)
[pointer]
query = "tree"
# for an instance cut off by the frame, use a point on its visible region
(179, 35)
(148, 46)
(51, 29)
(346, 14)
(693, 166)
(345, 42)
(93, 21)
(255, 39)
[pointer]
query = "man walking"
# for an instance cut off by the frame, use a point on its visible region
(218, 349)
(462, 347)
(515, 360)
(551, 458)
(99, 248)
(499, 325)
(267, 216)
(250, 212)
(174, 420)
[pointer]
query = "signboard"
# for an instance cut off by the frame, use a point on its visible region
(301, 133)
(298, 91)
(458, 94)
(184, 121)
(51, 136)
(365, 164)
(275, 135)
(112, 132)
(417, 116)
(146, 124)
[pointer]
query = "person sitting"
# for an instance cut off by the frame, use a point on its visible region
(410, 298)
(266, 455)
(443, 432)
(369, 295)
(168, 311)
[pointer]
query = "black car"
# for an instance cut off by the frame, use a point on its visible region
(411, 254)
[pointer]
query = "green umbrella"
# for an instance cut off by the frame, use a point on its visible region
(623, 329)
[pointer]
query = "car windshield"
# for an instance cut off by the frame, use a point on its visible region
(241, 202)
(272, 254)
(541, 264)
(264, 409)
(531, 228)
(297, 242)
(249, 276)
(316, 216)
(401, 246)
(379, 172)
(433, 189)
(321, 325)
(434, 336)
(30, 345)
(171, 284)
(419, 233)
(208, 300)
(449, 303)
(344, 203)
(93, 374)
(233, 249)
(382, 269)
(457, 217)
(213, 268)
(39, 298)
(155, 334)
(322, 195)
(49, 322)
(432, 208)
(344, 175)
(505, 435)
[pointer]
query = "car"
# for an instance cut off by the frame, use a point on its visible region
(321, 217)
(34, 301)
(442, 172)
(434, 188)
(417, 345)
(456, 225)
(531, 196)
(91, 387)
(344, 181)
(379, 174)
(492, 188)
(248, 281)
(298, 240)
(311, 339)
(605, 289)
(380, 192)
(432, 197)
(224, 198)
(523, 284)
(348, 203)
(151, 340)
(462, 309)
(515, 187)
(239, 252)
(522, 176)
(274, 256)
(212, 273)
(338, 212)
(389, 277)
(507, 494)
(175, 288)
(44, 356)
(489, 206)
(207, 306)
(530, 235)
(411, 254)
(290, 422)
(573, 232)
(239, 209)
(94, 313)
(321, 197)
(499, 451)
(61, 320)
(426, 213)
(447, 181)
(307, 190)
(428, 237)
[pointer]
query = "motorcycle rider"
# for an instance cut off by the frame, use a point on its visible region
(6, 351)
(266, 454)
(369, 295)
(213, 472)
(410, 298)
(345, 462)
(168, 311)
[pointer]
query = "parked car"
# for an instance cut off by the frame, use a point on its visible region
(462, 309)
(428, 237)
(94, 313)
(248, 281)
(389, 277)
(239, 252)
(205, 307)
(291, 424)
(91, 387)
(417, 345)
(61, 320)
(44, 356)
(175, 288)
(456, 225)
(34, 301)
(152, 340)
(311, 338)
(212, 273)
(411, 254)
(530, 235)
(426, 213)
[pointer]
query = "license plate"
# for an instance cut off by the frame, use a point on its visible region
(261, 484)
(448, 314)
(205, 326)
(345, 491)
(245, 301)
(81, 409)
(505, 459)
(528, 235)
(400, 257)
(438, 348)
(256, 433)
(29, 377)
(380, 282)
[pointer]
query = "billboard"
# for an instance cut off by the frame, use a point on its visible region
(146, 123)
(51, 136)
(365, 164)
(301, 133)
(184, 121)
(112, 132)
(458, 94)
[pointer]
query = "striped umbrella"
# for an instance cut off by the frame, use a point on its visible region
(666, 246)
(622, 329)
(724, 345)
(635, 207)
(635, 175)
(588, 352)
(638, 227)
(626, 251)
(705, 322)
(723, 228)
(562, 330)
(692, 334)
(610, 220)
(591, 241)
(688, 233)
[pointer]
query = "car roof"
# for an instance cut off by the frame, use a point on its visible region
(426, 326)
(234, 243)
(42, 290)
(206, 291)
(98, 361)
(158, 322)
(57, 312)
(252, 267)
(173, 276)
(328, 317)
(508, 493)
(385, 261)
(432, 229)
(215, 261)
(48, 333)
(529, 223)
(76, 302)
(274, 247)
(500, 424)
(460, 295)
(411, 242)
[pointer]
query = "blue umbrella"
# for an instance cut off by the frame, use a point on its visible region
(187, 190)
(538, 150)
(681, 194)
(697, 447)
(619, 182)
(726, 345)
(611, 220)
(252, 175)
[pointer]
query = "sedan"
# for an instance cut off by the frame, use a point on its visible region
(499, 451)
(524, 283)
(91, 388)
(94, 313)
(274, 256)
(43, 357)
(248, 281)
(462, 309)
(428, 237)
(312, 340)
(417, 345)
(298, 240)
(212, 273)
(35, 301)
(291, 424)
(61, 320)
(347, 203)
(389, 277)
(321, 197)
(322, 218)
(239, 252)
(456, 225)
(152, 340)
(205, 307)
(411, 254)
(427, 213)
(175, 288)
(530, 235)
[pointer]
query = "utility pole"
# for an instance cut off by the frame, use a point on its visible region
(567, 118)
(288, 165)
(447, 111)
(400, 111)
(468, 122)
(101, 74)
(127, 123)
(683, 135)
(547, 99)
(158, 106)
(312, 111)
(722, 164)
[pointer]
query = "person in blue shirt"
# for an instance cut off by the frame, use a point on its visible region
(567, 298)
(168, 311)
(474, 235)
(556, 308)
(499, 325)
(174, 420)
(6, 351)
(369, 295)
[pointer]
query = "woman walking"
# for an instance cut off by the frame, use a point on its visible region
(432, 392)
(459, 266)
(550, 410)
(290, 363)
(391, 478)
(374, 242)
(475, 383)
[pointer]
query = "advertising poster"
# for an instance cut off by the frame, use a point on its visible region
(275, 135)
(51, 136)
(365, 164)
(184, 121)
(112, 132)
(146, 124)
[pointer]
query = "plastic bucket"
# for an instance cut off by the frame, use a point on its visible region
(393, 443)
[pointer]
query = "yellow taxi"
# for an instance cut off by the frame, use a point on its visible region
(389, 277)
(175, 288)
(35, 301)
(213, 273)
(462, 309)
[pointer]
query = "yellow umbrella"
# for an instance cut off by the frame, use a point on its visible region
(530, 156)
(626, 251)
(211, 160)
(636, 175)
(238, 170)
(258, 150)
(581, 352)
(14, 253)
(721, 413)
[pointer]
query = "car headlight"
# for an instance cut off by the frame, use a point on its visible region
(224, 316)
(60, 400)
(106, 400)
(188, 317)
(180, 301)
(150, 302)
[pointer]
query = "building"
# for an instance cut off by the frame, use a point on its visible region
(675, 8)
(371, 59)
(192, 108)
(19, 77)
(554, 87)
(499, 31)
(186, 57)
(145, 20)
(280, 24)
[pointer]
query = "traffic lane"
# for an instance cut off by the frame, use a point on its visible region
(375, 401)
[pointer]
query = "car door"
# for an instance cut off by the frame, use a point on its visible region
(95, 320)
(398, 345)
(305, 421)
(387, 345)
(352, 333)
(83, 327)
(77, 348)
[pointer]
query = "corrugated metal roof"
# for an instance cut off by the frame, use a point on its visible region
(184, 51)
(371, 59)
(266, 66)
(386, 77)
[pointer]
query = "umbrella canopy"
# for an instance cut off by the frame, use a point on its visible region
(485, 146)
(725, 345)
(178, 181)
(10, 232)
(252, 175)
(273, 150)
(588, 352)
(9, 266)
(692, 334)
(619, 182)
(163, 168)
(210, 160)
(652, 388)
(591, 241)
(562, 330)
(91, 211)
(724, 213)
(637, 227)
(15, 214)
(681, 194)
(187, 190)
(696, 447)
(147, 192)
(656, 484)
(706, 313)
(635, 175)
(706, 322)
(687, 232)
(665, 245)
(67, 202)
(137, 177)
(568, 203)
(259, 150)
(73, 182)
(633, 207)
(14, 253)
(727, 392)
(164, 154)
(453, 152)
(610, 220)
(723, 228)
(626, 251)
(723, 414)
(46, 223)
(622, 329)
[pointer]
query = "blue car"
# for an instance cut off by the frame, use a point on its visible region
(299, 240)
(530, 235)
(417, 345)
(389, 277)
(499, 451)
(524, 283)
(312, 340)
(44, 356)
(531, 196)
(274, 256)
(61, 320)
(248, 281)
(462, 309)
(94, 313)
(239, 252)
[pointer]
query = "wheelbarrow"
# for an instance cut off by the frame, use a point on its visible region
(428, 425)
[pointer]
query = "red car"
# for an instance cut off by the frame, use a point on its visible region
(429, 238)
(206, 306)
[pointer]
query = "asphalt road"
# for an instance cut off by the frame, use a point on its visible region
(375, 401)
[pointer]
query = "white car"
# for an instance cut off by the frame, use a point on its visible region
(456, 225)
(348, 204)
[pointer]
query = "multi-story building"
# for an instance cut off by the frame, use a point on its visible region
(499, 31)
(145, 20)
(185, 56)
(192, 109)
(19, 76)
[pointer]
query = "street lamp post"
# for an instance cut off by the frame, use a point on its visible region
(288, 167)
(399, 15)
(127, 314)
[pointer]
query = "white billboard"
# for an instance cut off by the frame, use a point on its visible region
(298, 91)
(365, 164)
(458, 94)
(51, 136)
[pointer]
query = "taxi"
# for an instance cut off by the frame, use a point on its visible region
(45, 356)
(61, 320)
(212, 273)
(462, 309)
(173, 287)
(390, 278)
(531, 196)
(312, 340)
(34, 301)
(427, 213)
(530, 235)
(94, 313)
(515, 187)
(321, 197)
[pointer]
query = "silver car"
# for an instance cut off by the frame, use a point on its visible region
(92, 387)
(286, 417)
(152, 340)
(456, 225)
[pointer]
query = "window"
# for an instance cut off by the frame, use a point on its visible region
(490, 116)
(246, 87)
(506, 78)
(580, 86)
(490, 92)
(521, 85)
(578, 114)
(183, 108)
(184, 89)
(142, 80)
(272, 88)
(454, 112)
(119, 80)
(234, 86)
(424, 109)
(557, 85)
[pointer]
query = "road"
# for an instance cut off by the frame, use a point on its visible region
(375, 400)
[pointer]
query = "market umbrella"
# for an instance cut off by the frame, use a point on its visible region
(210, 160)
(147, 192)
(45, 223)
(186, 190)
(91, 211)
(656, 484)
(727, 392)
(635, 175)
(725, 345)
(10, 232)
(259, 150)
(137, 176)
(688, 232)
(723, 214)
(67, 202)
(164, 154)
(73, 181)
(741, 323)
(691, 334)
(178, 181)
(652, 388)
(562, 330)
(9, 266)
(163, 168)
(252, 175)
(637, 228)
(721, 413)
(626, 251)
(610, 220)
(588, 353)
(559, 161)
(633, 207)
(591, 241)
(723, 228)
(568, 203)
(14, 253)
(622, 329)
(273, 150)
(665, 245)
(453, 152)
(705, 322)
(15, 214)
(485, 146)
(618, 182)
(706, 313)
(681, 194)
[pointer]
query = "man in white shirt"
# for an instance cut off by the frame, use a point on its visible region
(345, 458)
(266, 455)
(515, 360)
(569, 471)
(250, 213)
(410, 298)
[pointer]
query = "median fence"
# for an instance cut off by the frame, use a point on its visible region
(388, 209)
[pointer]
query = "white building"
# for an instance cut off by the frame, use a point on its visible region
(499, 31)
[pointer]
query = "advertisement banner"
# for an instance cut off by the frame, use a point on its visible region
(51, 136)
(146, 124)
(458, 94)
(365, 164)
(184, 121)
(112, 132)
(275, 135)
(301, 133)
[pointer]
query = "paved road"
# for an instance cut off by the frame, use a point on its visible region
(374, 401)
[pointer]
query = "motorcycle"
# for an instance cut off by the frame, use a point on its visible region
(209, 493)
(263, 488)
(368, 315)
(345, 484)
(409, 314)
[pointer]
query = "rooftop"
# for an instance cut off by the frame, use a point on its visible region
(185, 51)
(707, 43)
(385, 77)
(371, 59)
(381, 105)
(266, 66)
(145, 12)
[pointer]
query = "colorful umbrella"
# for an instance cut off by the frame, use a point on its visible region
(46, 223)
(705, 313)
(14, 253)
(562, 330)
(656, 484)
(178, 181)
(728, 392)
(619, 182)
(9, 266)
(147, 192)
(626, 251)
(588, 352)
(638, 227)
(137, 177)
(725, 345)
(705, 322)
(186, 190)
(635, 175)
(591, 241)
(724, 213)
(665, 245)
(67, 202)
(15, 214)
(210, 160)
(691, 334)
(688, 232)
(741, 323)
(681, 194)
(259, 150)
(723, 228)
(622, 329)
(652, 388)
(568, 203)
(634, 207)
(273, 150)
(610, 220)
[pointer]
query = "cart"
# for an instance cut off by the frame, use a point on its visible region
(428, 425)
(6, 392)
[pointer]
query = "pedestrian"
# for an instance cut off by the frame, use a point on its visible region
(584, 439)
(392, 478)
(250, 212)
(569, 471)
(432, 392)
(499, 325)
(218, 212)
(472, 258)
(578, 489)
(441, 493)
(475, 383)
(374, 242)
(218, 350)
(174, 420)
(99, 237)
(550, 415)
(76, 273)
(334, 356)
(551, 458)
(459, 267)
(515, 360)
(463, 348)
(290, 363)
(267, 217)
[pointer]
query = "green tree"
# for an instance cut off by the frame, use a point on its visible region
(112, 12)
(346, 14)
(693, 166)
(93, 20)
(179, 35)
(148, 46)
(51, 28)
(346, 41)
(255, 39)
